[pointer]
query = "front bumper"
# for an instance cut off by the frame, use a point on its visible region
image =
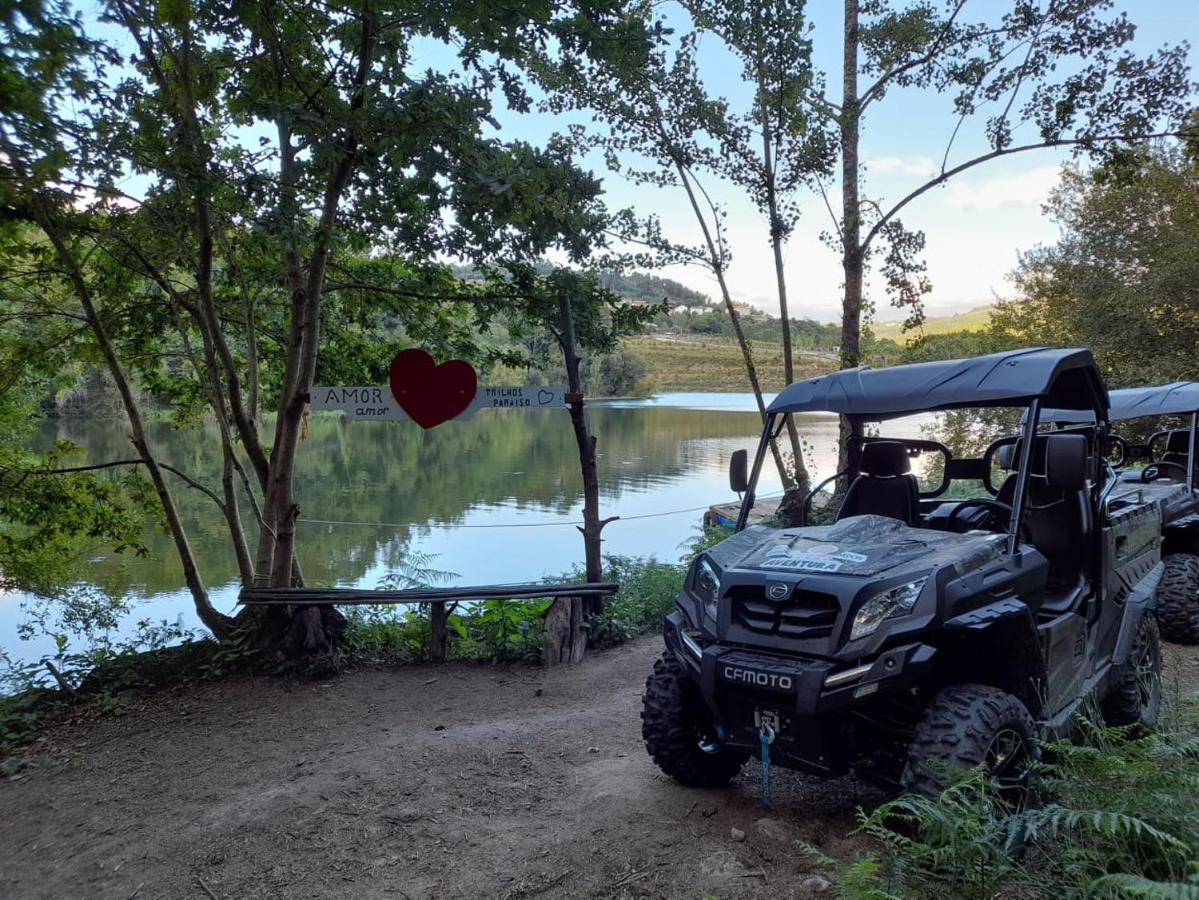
(813, 698)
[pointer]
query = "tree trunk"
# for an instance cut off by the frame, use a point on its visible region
(852, 258)
(852, 254)
(593, 526)
(216, 622)
(717, 264)
(802, 480)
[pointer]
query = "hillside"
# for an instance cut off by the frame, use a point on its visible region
(975, 319)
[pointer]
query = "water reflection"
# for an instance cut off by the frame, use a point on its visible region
(491, 498)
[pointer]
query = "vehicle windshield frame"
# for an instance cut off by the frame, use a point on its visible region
(1126, 404)
(843, 392)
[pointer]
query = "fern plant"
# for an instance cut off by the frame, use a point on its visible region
(1119, 819)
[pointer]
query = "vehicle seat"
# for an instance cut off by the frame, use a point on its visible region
(1006, 457)
(885, 486)
(1060, 525)
(1057, 522)
(1177, 447)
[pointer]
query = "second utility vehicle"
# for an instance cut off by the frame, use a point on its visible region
(1162, 469)
(918, 631)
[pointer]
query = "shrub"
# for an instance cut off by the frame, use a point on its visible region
(647, 593)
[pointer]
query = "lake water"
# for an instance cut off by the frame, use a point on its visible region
(492, 499)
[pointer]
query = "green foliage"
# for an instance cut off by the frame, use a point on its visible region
(507, 629)
(511, 630)
(53, 519)
(1119, 819)
(647, 593)
(380, 633)
(1121, 280)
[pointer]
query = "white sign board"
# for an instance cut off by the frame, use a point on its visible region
(378, 402)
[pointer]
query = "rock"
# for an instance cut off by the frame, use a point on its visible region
(773, 829)
(439, 728)
(737, 834)
(407, 815)
(593, 749)
(816, 884)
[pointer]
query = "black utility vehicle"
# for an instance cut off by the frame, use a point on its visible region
(917, 630)
(1162, 470)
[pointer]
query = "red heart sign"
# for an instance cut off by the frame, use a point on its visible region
(431, 393)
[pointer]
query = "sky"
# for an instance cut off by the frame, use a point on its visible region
(976, 224)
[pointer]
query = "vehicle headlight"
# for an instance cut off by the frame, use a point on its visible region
(893, 602)
(707, 585)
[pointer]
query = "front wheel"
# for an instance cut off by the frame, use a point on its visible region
(678, 729)
(1135, 697)
(971, 725)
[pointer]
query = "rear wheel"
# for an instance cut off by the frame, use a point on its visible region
(1178, 599)
(1135, 697)
(679, 732)
(971, 725)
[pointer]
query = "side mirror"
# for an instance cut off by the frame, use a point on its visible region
(1066, 461)
(1006, 457)
(739, 471)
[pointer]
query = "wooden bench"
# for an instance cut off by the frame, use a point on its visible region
(563, 620)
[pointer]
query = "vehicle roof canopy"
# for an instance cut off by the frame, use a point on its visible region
(1179, 397)
(1064, 379)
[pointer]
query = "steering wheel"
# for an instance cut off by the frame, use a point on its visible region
(1154, 471)
(996, 508)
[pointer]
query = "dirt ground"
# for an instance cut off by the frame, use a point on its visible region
(460, 781)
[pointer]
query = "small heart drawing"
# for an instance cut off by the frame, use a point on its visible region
(430, 393)
(544, 397)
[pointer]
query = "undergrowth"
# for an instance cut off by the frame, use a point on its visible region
(94, 680)
(1118, 818)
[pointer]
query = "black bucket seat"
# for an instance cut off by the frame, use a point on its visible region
(885, 486)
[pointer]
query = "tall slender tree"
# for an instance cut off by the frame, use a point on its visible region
(777, 148)
(661, 128)
(1017, 77)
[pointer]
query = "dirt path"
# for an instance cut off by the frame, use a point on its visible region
(419, 782)
(463, 781)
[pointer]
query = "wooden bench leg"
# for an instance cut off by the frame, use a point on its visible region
(438, 618)
(564, 640)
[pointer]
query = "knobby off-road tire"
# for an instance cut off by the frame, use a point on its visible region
(1178, 599)
(1135, 697)
(674, 720)
(969, 725)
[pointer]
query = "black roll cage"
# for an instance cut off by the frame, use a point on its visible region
(1031, 421)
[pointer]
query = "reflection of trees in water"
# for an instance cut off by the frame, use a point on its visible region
(378, 472)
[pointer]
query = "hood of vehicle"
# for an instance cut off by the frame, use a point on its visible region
(859, 545)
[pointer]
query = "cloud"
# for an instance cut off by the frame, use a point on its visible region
(1013, 190)
(921, 166)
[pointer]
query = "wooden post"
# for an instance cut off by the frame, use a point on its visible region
(437, 621)
(563, 640)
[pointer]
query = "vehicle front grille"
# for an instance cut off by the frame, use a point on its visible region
(805, 614)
